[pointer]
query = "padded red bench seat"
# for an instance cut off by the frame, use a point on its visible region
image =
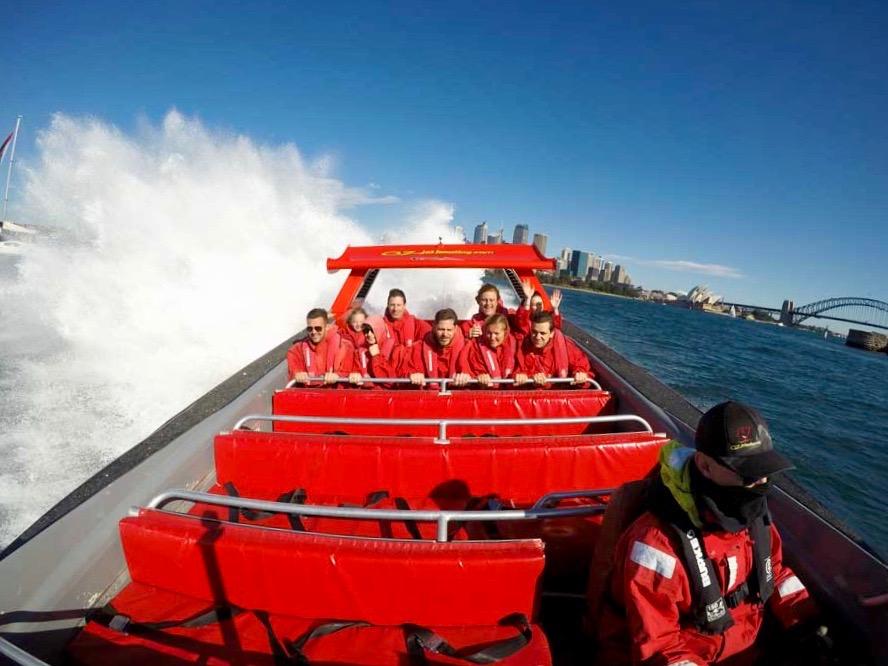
(384, 582)
(247, 638)
(389, 404)
(264, 465)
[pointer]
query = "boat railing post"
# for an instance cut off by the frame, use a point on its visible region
(442, 528)
(442, 386)
(442, 432)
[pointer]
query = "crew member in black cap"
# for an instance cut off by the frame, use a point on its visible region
(694, 573)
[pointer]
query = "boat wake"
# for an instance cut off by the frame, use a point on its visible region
(178, 255)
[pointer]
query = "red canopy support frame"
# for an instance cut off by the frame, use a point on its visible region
(518, 261)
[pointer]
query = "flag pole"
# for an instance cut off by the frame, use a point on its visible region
(18, 121)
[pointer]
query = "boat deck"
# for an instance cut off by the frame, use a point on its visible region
(366, 526)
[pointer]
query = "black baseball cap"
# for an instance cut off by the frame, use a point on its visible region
(737, 436)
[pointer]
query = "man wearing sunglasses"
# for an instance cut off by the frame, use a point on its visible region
(693, 575)
(320, 353)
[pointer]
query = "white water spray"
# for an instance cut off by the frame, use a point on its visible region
(178, 255)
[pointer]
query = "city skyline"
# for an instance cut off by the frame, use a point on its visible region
(582, 264)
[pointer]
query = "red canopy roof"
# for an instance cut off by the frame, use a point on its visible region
(519, 257)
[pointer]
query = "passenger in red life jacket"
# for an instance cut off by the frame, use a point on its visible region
(536, 305)
(533, 302)
(402, 329)
(353, 327)
(439, 353)
(368, 359)
(694, 574)
(321, 353)
(547, 353)
(490, 302)
(492, 356)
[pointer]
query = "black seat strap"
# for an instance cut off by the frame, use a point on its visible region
(111, 618)
(482, 503)
(374, 497)
(411, 525)
(297, 496)
(318, 631)
(421, 640)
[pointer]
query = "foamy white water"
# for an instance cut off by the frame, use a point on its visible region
(178, 255)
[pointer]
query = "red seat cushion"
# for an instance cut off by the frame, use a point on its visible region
(522, 470)
(381, 581)
(429, 404)
(244, 639)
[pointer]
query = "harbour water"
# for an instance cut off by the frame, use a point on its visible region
(826, 404)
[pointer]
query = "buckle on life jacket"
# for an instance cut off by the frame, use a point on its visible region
(738, 596)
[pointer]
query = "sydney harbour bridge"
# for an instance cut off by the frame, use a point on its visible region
(849, 309)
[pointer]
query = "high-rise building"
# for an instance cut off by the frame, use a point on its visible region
(540, 241)
(564, 260)
(521, 235)
(592, 274)
(606, 273)
(481, 233)
(579, 264)
(619, 274)
(495, 238)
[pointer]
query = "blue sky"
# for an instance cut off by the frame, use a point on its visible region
(743, 143)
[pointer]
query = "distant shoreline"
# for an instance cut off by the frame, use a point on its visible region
(552, 287)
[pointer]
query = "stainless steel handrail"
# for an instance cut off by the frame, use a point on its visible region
(441, 517)
(18, 655)
(442, 423)
(442, 382)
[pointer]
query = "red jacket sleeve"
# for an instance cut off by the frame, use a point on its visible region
(470, 361)
(344, 361)
(520, 322)
(524, 363)
(412, 362)
(422, 328)
(295, 360)
(380, 367)
(651, 582)
(577, 361)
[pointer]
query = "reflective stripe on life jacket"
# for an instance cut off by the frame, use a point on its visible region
(489, 356)
(407, 330)
(310, 355)
(559, 348)
(430, 354)
(711, 613)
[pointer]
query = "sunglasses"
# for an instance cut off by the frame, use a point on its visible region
(316, 329)
(747, 481)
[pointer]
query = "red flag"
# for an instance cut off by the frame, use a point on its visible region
(5, 143)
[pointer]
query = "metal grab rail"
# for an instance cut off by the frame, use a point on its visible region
(443, 518)
(443, 382)
(442, 423)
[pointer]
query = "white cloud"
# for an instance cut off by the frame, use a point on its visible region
(683, 266)
(694, 267)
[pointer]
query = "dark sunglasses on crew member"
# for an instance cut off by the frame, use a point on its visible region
(316, 329)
